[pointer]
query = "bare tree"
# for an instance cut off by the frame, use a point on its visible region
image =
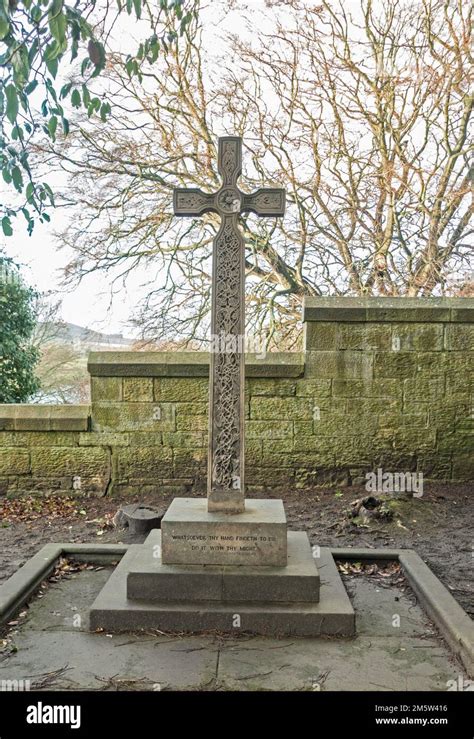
(362, 115)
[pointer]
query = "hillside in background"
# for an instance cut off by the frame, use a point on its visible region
(64, 348)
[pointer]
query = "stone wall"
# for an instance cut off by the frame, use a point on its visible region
(382, 383)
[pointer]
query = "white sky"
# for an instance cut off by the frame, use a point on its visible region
(42, 263)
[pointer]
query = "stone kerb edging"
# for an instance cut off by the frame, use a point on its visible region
(452, 621)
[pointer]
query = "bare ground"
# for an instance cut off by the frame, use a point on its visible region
(439, 526)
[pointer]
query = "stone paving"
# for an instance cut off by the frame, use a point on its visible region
(56, 651)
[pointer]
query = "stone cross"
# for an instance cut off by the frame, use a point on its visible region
(225, 479)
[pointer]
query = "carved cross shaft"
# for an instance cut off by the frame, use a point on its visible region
(225, 480)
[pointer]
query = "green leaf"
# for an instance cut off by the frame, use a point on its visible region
(104, 111)
(65, 124)
(31, 87)
(76, 99)
(65, 90)
(17, 178)
(137, 4)
(4, 23)
(7, 226)
(85, 95)
(58, 27)
(52, 65)
(52, 126)
(21, 65)
(49, 192)
(6, 175)
(12, 103)
(30, 192)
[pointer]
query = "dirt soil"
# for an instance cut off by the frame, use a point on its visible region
(439, 526)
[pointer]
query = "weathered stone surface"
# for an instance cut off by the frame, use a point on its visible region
(192, 440)
(339, 365)
(416, 337)
(358, 309)
(423, 388)
(313, 388)
(39, 438)
(192, 535)
(133, 417)
(264, 430)
(271, 387)
(145, 462)
(320, 336)
(376, 388)
(151, 580)
(191, 423)
(460, 338)
(137, 389)
(104, 439)
(363, 336)
(276, 445)
(178, 389)
(395, 364)
(57, 461)
(262, 408)
(146, 438)
(333, 615)
(188, 364)
(44, 417)
(14, 461)
(106, 388)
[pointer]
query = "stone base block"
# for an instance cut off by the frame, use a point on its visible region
(150, 580)
(333, 615)
(191, 535)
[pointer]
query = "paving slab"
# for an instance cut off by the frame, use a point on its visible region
(92, 661)
(363, 663)
(409, 657)
(383, 609)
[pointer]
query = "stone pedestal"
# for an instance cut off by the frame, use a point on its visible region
(150, 579)
(257, 578)
(192, 535)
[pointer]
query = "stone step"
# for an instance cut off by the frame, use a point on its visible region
(333, 615)
(150, 580)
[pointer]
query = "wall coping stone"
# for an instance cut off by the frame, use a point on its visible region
(386, 310)
(30, 417)
(188, 364)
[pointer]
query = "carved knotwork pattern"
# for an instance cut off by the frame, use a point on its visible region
(267, 200)
(191, 201)
(227, 321)
(226, 448)
(229, 161)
